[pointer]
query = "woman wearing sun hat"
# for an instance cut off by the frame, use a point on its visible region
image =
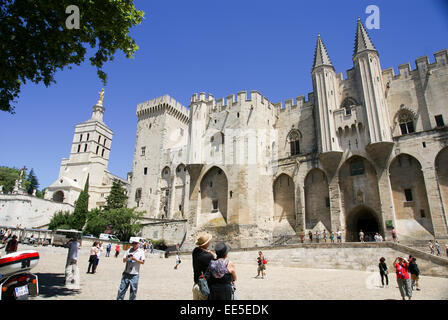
(221, 274)
(201, 259)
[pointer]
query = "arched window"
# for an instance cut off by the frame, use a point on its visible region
(294, 142)
(406, 121)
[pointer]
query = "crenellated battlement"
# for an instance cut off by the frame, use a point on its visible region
(241, 97)
(422, 64)
(163, 104)
(298, 103)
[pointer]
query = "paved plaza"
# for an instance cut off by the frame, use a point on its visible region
(159, 281)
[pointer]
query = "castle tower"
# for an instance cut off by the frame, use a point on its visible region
(89, 155)
(198, 116)
(326, 98)
(369, 76)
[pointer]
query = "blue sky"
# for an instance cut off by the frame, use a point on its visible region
(217, 47)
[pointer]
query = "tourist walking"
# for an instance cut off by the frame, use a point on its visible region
(324, 235)
(12, 245)
(316, 235)
(108, 248)
(71, 265)
(261, 265)
(394, 235)
(431, 247)
(437, 246)
(221, 275)
(310, 235)
(415, 273)
(98, 255)
(339, 236)
(332, 236)
(361, 236)
(404, 281)
(117, 250)
(178, 261)
(201, 257)
(133, 257)
(92, 257)
(383, 272)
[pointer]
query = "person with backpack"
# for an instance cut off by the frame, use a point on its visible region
(415, 273)
(261, 262)
(201, 258)
(221, 275)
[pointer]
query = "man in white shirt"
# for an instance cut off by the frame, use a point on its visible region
(71, 266)
(133, 258)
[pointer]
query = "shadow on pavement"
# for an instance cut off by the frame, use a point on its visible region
(52, 284)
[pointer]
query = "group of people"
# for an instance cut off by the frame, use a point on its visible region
(434, 247)
(215, 267)
(406, 283)
(323, 235)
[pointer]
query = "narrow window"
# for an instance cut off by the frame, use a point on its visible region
(105, 141)
(88, 135)
(422, 213)
(143, 151)
(79, 147)
(231, 194)
(145, 170)
(237, 114)
(408, 194)
(356, 167)
(102, 153)
(215, 205)
(439, 120)
(424, 144)
(85, 147)
(80, 137)
(99, 138)
(97, 149)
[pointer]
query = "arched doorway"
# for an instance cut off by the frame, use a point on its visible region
(442, 176)
(284, 204)
(365, 219)
(317, 201)
(412, 211)
(214, 192)
(58, 196)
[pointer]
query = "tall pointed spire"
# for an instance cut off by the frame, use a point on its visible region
(362, 39)
(321, 57)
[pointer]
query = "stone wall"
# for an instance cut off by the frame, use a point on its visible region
(30, 212)
(355, 256)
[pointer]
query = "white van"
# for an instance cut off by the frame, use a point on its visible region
(110, 237)
(138, 239)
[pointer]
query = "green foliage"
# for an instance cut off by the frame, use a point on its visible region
(81, 208)
(34, 183)
(36, 42)
(61, 220)
(7, 178)
(125, 222)
(117, 198)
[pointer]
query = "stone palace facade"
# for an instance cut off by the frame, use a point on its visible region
(366, 152)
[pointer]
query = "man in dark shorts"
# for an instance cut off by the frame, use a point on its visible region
(201, 259)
